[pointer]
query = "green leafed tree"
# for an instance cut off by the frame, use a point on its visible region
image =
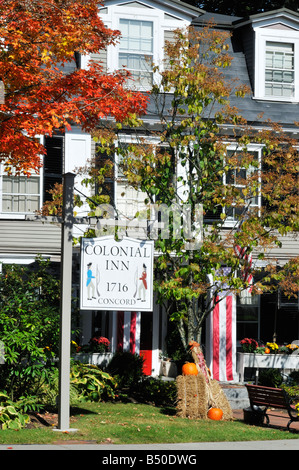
(190, 162)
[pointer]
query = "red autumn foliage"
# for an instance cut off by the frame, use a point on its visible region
(38, 42)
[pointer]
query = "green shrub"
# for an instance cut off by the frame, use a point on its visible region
(11, 414)
(92, 383)
(127, 367)
(48, 392)
(157, 391)
(292, 391)
(29, 326)
(270, 378)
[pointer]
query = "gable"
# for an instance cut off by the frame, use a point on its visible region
(136, 5)
(172, 8)
(280, 26)
(276, 19)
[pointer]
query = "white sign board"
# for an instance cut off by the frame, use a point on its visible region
(116, 275)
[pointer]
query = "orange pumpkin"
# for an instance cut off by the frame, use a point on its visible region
(215, 414)
(189, 369)
(267, 351)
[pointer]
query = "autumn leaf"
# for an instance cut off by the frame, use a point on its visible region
(38, 40)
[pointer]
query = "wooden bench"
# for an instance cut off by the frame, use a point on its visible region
(266, 397)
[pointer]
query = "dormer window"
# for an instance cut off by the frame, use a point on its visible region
(276, 75)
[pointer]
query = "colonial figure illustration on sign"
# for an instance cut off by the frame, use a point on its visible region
(143, 285)
(89, 283)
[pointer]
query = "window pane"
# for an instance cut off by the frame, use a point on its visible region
(147, 29)
(279, 69)
(288, 91)
(124, 43)
(33, 185)
(7, 203)
(286, 47)
(134, 29)
(32, 203)
(278, 60)
(288, 61)
(146, 80)
(7, 184)
(277, 76)
(288, 77)
(147, 45)
(21, 185)
(269, 59)
(19, 204)
(124, 27)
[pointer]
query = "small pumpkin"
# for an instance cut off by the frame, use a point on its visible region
(189, 369)
(267, 351)
(215, 414)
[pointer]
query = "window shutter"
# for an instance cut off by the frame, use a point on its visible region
(52, 164)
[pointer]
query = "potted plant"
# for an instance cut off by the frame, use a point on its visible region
(249, 345)
(96, 352)
(273, 347)
(99, 344)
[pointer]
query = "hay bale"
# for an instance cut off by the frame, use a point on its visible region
(192, 396)
(195, 397)
(221, 400)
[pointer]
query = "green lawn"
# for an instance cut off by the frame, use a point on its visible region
(121, 423)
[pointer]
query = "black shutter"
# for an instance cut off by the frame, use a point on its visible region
(107, 187)
(52, 164)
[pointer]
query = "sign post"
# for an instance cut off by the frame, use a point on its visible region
(66, 301)
(116, 275)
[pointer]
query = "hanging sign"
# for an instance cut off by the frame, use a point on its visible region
(116, 275)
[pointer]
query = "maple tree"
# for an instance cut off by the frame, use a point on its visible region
(44, 90)
(186, 162)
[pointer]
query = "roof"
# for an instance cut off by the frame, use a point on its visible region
(242, 67)
(179, 4)
(231, 21)
(269, 14)
(216, 18)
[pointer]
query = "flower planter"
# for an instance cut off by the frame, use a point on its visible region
(169, 369)
(268, 361)
(96, 359)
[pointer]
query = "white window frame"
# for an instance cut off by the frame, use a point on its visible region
(113, 14)
(20, 215)
(121, 182)
(284, 36)
(231, 221)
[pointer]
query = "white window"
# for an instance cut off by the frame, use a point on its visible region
(130, 202)
(144, 26)
(277, 64)
(279, 71)
(20, 194)
(136, 51)
(246, 182)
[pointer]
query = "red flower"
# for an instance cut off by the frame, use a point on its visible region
(101, 342)
(249, 344)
